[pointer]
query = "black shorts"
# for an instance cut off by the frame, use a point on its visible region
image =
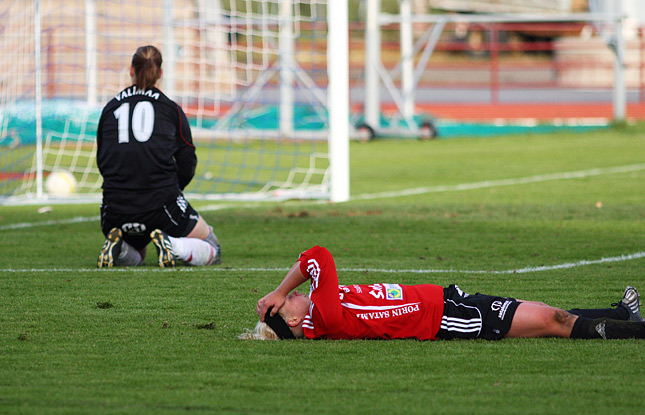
(176, 217)
(476, 316)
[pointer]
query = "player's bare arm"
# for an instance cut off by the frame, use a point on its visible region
(276, 298)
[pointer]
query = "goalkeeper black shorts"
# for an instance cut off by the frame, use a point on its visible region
(176, 217)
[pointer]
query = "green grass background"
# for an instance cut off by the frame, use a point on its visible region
(77, 340)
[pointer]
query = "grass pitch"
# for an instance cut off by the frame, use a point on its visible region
(555, 218)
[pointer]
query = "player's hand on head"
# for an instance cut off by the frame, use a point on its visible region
(273, 299)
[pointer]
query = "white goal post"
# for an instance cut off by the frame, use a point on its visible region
(267, 102)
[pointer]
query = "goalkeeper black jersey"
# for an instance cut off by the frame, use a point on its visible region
(145, 150)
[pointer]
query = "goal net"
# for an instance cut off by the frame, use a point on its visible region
(253, 77)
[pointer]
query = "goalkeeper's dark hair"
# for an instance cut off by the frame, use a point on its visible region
(146, 62)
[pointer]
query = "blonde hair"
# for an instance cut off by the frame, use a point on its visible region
(261, 332)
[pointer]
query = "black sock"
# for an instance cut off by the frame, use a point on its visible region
(618, 313)
(616, 329)
(585, 328)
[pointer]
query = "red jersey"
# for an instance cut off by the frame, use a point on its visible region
(375, 311)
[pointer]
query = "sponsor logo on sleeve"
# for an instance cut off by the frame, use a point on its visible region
(313, 269)
(393, 292)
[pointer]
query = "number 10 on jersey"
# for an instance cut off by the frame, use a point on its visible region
(142, 123)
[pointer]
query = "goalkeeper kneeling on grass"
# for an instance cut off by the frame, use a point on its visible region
(146, 155)
(423, 312)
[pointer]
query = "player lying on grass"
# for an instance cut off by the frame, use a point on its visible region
(147, 157)
(423, 312)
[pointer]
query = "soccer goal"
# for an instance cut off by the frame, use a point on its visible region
(267, 102)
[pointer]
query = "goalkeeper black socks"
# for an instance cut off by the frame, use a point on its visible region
(585, 328)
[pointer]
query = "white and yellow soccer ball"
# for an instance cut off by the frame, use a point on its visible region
(60, 183)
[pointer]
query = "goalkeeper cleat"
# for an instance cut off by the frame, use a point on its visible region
(164, 249)
(212, 239)
(631, 301)
(111, 249)
(218, 258)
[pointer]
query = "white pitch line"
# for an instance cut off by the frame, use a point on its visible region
(77, 219)
(502, 182)
(584, 262)
(397, 193)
